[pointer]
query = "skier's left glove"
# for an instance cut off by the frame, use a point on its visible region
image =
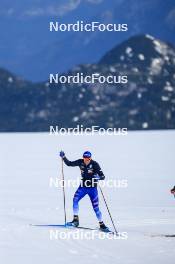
(62, 154)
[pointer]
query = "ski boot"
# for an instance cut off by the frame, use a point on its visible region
(74, 222)
(103, 227)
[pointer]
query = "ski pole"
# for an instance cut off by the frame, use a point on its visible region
(108, 210)
(64, 196)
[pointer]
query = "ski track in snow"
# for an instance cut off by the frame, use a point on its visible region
(145, 210)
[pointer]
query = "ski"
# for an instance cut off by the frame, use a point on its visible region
(107, 230)
(73, 227)
(62, 226)
(166, 235)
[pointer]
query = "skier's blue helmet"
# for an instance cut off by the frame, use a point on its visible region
(87, 154)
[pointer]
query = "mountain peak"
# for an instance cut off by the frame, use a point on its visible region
(138, 48)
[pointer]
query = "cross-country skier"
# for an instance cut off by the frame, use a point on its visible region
(173, 191)
(91, 173)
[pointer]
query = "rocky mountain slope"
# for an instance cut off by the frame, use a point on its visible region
(147, 101)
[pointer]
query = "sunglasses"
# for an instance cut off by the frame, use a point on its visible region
(86, 158)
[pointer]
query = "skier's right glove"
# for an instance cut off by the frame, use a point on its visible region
(173, 190)
(62, 154)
